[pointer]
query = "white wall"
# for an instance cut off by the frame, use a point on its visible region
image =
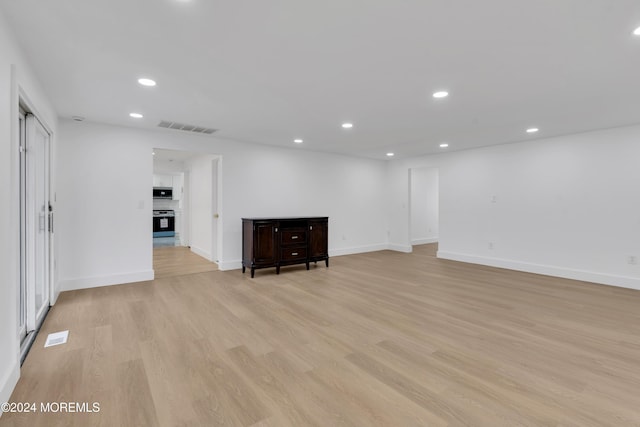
(264, 181)
(567, 206)
(104, 206)
(15, 78)
(166, 167)
(424, 206)
(97, 160)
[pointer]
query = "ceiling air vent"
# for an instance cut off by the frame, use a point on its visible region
(185, 127)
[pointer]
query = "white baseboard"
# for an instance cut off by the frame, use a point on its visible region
(548, 270)
(204, 254)
(116, 279)
(357, 250)
(400, 248)
(424, 241)
(8, 382)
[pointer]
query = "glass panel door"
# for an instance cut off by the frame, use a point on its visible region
(22, 293)
(37, 222)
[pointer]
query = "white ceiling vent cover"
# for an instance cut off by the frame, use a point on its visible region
(184, 127)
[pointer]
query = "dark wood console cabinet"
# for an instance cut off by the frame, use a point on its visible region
(274, 242)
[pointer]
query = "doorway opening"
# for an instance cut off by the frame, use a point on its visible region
(424, 216)
(36, 226)
(186, 223)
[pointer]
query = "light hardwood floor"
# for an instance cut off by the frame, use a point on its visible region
(169, 261)
(377, 339)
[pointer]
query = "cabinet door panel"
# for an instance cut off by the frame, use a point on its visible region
(264, 244)
(318, 239)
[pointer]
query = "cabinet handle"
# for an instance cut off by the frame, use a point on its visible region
(294, 237)
(276, 229)
(294, 253)
(311, 227)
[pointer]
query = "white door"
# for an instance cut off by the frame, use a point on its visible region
(214, 209)
(36, 222)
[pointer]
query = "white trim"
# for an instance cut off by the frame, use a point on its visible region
(9, 382)
(424, 241)
(358, 250)
(400, 248)
(204, 254)
(548, 270)
(96, 282)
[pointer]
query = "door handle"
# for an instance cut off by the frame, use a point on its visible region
(216, 216)
(50, 218)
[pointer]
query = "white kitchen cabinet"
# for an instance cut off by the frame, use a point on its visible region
(162, 180)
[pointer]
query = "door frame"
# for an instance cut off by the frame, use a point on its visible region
(187, 201)
(22, 257)
(22, 102)
(413, 185)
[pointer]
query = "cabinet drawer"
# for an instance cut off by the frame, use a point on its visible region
(294, 236)
(293, 253)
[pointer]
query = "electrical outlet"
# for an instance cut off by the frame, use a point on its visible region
(632, 260)
(344, 237)
(491, 245)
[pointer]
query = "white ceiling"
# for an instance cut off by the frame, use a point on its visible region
(271, 71)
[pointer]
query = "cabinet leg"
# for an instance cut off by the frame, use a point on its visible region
(326, 261)
(253, 270)
(307, 265)
(277, 269)
(243, 269)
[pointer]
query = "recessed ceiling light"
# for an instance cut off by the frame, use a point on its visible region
(347, 125)
(441, 94)
(153, 153)
(147, 82)
(532, 130)
(136, 115)
(444, 145)
(297, 141)
(636, 32)
(390, 154)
